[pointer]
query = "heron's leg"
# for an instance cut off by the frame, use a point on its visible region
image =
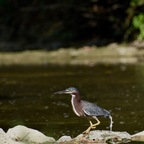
(111, 122)
(88, 129)
(92, 126)
(98, 122)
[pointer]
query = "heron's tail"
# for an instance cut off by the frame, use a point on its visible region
(111, 122)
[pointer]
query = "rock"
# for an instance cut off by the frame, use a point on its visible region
(4, 139)
(64, 139)
(138, 137)
(23, 134)
(105, 136)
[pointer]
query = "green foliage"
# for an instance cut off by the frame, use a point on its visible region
(138, 23)
(136, 2)
(136, 7)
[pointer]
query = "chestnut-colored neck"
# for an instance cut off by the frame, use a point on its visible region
(76, 104)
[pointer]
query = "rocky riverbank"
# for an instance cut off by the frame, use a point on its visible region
(87, 55)
(23, 135)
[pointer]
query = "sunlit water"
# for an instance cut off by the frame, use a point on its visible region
(26, 97)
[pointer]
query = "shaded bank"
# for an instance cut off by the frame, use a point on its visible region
(87, 55)
(33, 24)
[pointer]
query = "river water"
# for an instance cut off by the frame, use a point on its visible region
(26, 97)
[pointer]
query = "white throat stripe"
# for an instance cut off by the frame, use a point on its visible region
(73, 106)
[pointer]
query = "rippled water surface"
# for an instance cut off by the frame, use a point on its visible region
(26, 97)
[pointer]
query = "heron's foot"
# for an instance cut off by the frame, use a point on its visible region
(87, 131)
(89, 128)
(92, 126)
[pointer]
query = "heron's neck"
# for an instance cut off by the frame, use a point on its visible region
(76, 97)
(76, 103)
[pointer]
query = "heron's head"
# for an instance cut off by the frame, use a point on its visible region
(70, 90)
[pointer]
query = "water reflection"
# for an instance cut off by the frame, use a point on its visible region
(26, 97)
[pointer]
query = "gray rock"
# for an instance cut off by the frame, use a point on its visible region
(64, 139)
(104, 136)
(27, 135)
(138, 137)
(4, 139)
(24, 135)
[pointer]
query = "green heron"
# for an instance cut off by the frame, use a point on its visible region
(86, 109)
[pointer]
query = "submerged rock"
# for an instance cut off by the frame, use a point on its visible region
(28, 135)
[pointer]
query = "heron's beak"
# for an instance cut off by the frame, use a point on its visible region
(61, 92)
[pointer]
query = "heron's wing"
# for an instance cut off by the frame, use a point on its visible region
(92, 109)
